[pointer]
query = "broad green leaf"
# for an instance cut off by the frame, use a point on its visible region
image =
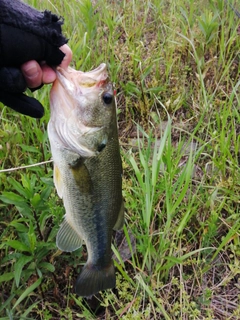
(15, 244)
(31, 237)
(21, 262)
(47, 265)
(36, 199)
(42, 252)
(27, 183)
(29, 148)
(47, 181)
(42, 219)
(46, 192)
(26, 211)
(19, 226)
(13, 198)
(6, 276)
(18, 187)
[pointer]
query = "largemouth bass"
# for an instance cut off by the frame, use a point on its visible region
(84, 143)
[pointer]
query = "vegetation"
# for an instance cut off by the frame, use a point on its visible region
(175, 65)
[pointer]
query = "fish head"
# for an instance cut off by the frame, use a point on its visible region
(83, 111)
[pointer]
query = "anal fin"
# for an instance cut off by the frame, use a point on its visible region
(67, 238)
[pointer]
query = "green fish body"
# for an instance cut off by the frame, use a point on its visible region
(87, 171)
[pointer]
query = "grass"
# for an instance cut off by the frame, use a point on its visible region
(175, 65)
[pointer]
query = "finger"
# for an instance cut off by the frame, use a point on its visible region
(68, 56)
(48, 74)
(23, 104)
(12, 80)
(32, 73)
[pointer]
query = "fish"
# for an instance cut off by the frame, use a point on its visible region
(87, 174)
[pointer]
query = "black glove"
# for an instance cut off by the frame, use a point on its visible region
(25, 34)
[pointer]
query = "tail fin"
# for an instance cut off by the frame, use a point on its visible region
(92, 279)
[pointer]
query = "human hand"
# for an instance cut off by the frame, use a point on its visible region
(36, 74)
(27, 35)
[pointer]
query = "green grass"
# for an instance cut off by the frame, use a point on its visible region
(175, 65)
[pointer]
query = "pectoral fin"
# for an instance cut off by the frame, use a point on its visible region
(58, 181)
(120, 220)
(81, 176)
(67, 238)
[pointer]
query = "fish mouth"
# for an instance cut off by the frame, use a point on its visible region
(79, 82)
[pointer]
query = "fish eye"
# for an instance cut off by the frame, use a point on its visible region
(107, 98)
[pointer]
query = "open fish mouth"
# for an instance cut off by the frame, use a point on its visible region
(82, 81)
